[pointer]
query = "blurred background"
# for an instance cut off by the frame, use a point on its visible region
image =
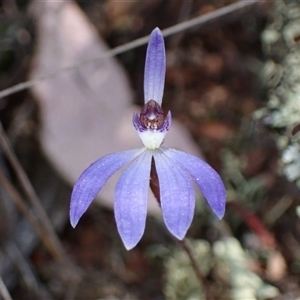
(232, 85)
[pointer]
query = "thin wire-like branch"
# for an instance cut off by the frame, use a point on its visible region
(31, 194)
(179, 92)
(40, 220)
(4, 291)
(29, 216)
(22, 265)
(226, 10)
(134, 44)
(184, 15)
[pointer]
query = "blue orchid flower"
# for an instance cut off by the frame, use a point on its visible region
(175, 169)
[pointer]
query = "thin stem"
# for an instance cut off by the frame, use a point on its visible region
(31, 194)
(22, 265)
(201, 278)
(154, 185)
(136, 43)
(17, 199)
(4, 291)
(184, 14)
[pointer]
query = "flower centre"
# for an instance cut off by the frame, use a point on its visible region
(151, 125)
(152, 116)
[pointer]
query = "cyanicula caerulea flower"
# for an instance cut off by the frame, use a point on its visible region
(175, 169)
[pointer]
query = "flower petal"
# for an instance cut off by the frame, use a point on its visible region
(206, 178)
(131, 200)
(93, 179)
(155, 68)
(177, 195)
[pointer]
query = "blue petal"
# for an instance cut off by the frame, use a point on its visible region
(155, 68)
(93, 179)
(177, 195)
(206, 178)
(131, 200)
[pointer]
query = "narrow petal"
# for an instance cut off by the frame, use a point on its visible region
(177, 195)
(93, 179)
(131, 200)
(206, 178)
(155, 68)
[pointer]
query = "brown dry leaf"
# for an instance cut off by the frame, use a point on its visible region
(85, 113)
(215, 95)
(215, 131)
(213, 64)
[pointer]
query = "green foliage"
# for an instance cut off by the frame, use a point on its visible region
(233, 263)
(226, 259)
(181, 282)
(282, 77)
